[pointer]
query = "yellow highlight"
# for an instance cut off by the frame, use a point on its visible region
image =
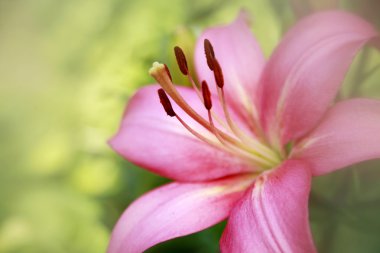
(50, 154)
(96, 177)
(239, 184)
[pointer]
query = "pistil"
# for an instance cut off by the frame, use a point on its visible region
(165, 102)
(240, 143)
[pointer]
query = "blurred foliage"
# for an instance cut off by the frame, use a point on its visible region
(67, 69)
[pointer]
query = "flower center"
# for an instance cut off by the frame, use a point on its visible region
(228, 136)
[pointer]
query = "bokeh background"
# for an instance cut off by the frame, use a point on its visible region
(67, 69)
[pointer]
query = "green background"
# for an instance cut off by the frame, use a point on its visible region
(67, 69)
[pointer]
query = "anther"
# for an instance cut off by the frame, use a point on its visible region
(218, 74)
(166, 103)
(168, 72)
(206, 95)
(210, 55)
(181, 60)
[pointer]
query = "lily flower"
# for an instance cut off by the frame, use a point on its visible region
(245, 143)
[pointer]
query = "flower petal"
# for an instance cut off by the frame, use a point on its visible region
(175, 210)
(273, 215)
(239, 56)
(350, 133)
(151, 139)
(305, 71)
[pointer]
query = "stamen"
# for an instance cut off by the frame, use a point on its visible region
(195, 133)
(243, 149)
(227, 114)
(210, 55)
(168, 72)
(228, 148)
(181, 60)
(206, 95)
(214, 129)
(230, 143)
(218, 73)
(182, 64)
(219, 79)
(257, 146)
(239, 150)
(169, 110)
(264, 151)
(159, 73)
(195, 87)
(166, 103)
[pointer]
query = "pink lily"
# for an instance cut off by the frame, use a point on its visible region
(246, 145)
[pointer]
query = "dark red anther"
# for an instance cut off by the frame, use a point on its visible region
(181, 60)
(210, 55)
(218, 74)
(166, 103)
(168, 72)
(206, 95)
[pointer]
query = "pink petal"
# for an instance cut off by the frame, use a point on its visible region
(240, 57)
(159, 143)
(305, 71)
(273, 214)
(350, 133)
(175, 210)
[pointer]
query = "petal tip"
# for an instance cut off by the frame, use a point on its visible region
(114, 143)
